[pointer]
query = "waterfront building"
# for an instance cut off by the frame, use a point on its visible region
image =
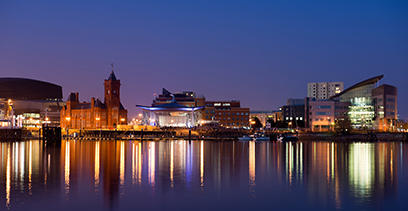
(277, 115)
(263, 116)
(171, 114)
(228, 114)
(187, 109)
(322, 115)
(29, 103)
(95, 114)
(294, 112)
(168, 109)
(368, 104)
(186, 98)
(385, 100)
(324, 90)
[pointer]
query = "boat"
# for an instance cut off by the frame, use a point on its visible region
(245, 138)
(287, 138)
(261, 137)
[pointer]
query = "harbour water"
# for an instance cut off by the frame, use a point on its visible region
(203, 175)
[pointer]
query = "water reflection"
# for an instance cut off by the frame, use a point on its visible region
(362, 169)
(333, 175)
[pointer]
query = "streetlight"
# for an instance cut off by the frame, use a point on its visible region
(100, 128)
(46, 121)
(68, 119)
(122, 121)
(11, 112)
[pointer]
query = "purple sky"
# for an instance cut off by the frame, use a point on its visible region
(259, 52)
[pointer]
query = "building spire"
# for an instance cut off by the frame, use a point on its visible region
(112, 75)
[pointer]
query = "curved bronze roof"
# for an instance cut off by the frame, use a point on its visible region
(28, 89)
(372, 80)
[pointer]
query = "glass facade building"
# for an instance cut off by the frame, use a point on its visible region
(362, 112)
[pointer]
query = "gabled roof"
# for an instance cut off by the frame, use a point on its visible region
(99, 104)
(121, 107)
(81, 106)
(372, 80)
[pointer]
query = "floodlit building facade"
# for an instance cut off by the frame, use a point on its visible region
(324, 90)
(95, 114)
(322, 115)
(173, 110)
(187, 109)
(29, 103)
(371, 107)
(228, 114)
(263, 116)
(186, 98)
(385, 100)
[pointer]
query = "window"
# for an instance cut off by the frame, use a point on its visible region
(322, 113)
(325, 107)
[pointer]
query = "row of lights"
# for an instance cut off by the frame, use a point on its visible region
(97, 119)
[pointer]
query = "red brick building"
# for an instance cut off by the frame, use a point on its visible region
(226, 113)
(95, 114)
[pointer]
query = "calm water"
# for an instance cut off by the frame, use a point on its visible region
(178, 175)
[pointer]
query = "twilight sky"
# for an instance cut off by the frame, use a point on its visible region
(259, 52)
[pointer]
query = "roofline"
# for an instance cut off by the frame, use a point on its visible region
(29, 79)
(150, 108)
(359, 84)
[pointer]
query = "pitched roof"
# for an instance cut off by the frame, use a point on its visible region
(112, 76)
(99, 104)
(81, 106)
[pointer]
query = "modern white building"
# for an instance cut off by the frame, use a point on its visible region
(324, 90)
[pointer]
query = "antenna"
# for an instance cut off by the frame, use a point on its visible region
(112, 64)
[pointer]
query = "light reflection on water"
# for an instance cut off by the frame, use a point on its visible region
(179, 174)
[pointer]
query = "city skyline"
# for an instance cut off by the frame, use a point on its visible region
(261, 55)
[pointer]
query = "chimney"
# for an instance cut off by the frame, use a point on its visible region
(92, 102)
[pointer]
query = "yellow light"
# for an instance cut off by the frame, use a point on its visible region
(97, 118)
(46, 119)
(68, 118)
(122, 119)
(140, 115)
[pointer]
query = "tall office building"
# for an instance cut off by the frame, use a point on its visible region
(324, 90)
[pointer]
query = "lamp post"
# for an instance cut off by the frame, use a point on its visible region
(68, 119)
(11, 112)
(46, 120)
(122, 120)
(100, 128)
